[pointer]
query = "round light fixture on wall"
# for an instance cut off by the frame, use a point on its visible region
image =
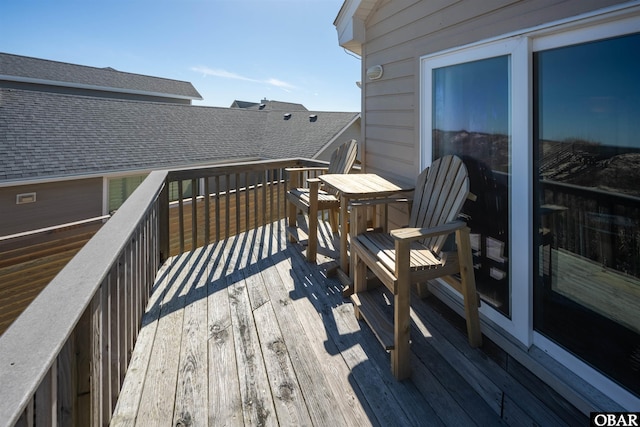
(374, 72)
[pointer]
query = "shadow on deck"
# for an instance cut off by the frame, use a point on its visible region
(246, 332)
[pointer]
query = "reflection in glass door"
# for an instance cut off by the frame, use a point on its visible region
(587, 154)
(470, 118)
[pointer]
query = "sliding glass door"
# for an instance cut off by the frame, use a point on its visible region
(548, 124)
(587, 202)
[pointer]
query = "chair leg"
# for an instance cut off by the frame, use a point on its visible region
(333, 220)
(401, 354)
(469, 287)
(293, 221)
(359, 278)
(423, 290)
(312, 248)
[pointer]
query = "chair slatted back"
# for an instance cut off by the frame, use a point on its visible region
(342, 160)
(441, 190)
(343, 157)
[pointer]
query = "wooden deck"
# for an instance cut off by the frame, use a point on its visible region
(246, 332)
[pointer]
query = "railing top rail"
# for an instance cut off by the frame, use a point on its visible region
(591, 190)
(31, 344)
(221, 169)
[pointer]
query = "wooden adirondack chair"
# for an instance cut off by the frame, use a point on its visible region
(414, 255)
(311, 200)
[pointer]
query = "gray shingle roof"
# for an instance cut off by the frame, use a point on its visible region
(44, 135)
(20, 68)
(300, 132)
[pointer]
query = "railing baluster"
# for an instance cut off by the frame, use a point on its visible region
(217, 190)
(227, 206)
(237, 198)
(65, 386)
(207, 216)
(254, 193)
(146, 260)
(247, 210)
(96, 358)
(137, 257)
(27, 416)
(105, 357)
(265, 184)
(44, 405)
(278, 189)
(272, 179)
(194, 215)
(131, 301)
(180, 216)
(122, 318)
(114, 332)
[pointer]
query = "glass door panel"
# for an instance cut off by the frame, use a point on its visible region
(587, 191)
(470, 118)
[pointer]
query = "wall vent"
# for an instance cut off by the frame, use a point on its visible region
(25, 198)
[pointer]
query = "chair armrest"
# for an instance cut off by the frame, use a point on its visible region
(307, 169)
(385, 201)
(410, 234)
(295, 174)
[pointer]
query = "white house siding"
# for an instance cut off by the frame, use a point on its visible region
(56, 203)
(398, 33)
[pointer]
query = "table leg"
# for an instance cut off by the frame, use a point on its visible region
(379, 215)
(343, 271)
(358, 226)
(344, 260)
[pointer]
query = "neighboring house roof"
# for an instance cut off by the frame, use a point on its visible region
(302, 132)
(269, 105)
(22, 69)
(243, 104)
(46, 135)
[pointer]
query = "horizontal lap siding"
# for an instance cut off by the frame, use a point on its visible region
(63, 202)
(400, 32)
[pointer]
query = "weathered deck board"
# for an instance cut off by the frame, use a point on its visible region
(246, 332)
(257, 401)
(191, 391)
(225, 403)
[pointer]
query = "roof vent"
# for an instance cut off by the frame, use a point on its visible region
(313, 117)
(287, 116)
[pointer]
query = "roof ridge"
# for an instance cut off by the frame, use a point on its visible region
(94, 67)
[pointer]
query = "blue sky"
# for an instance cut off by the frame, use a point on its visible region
(284, 50)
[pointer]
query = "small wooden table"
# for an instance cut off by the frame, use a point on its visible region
(352, 187)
